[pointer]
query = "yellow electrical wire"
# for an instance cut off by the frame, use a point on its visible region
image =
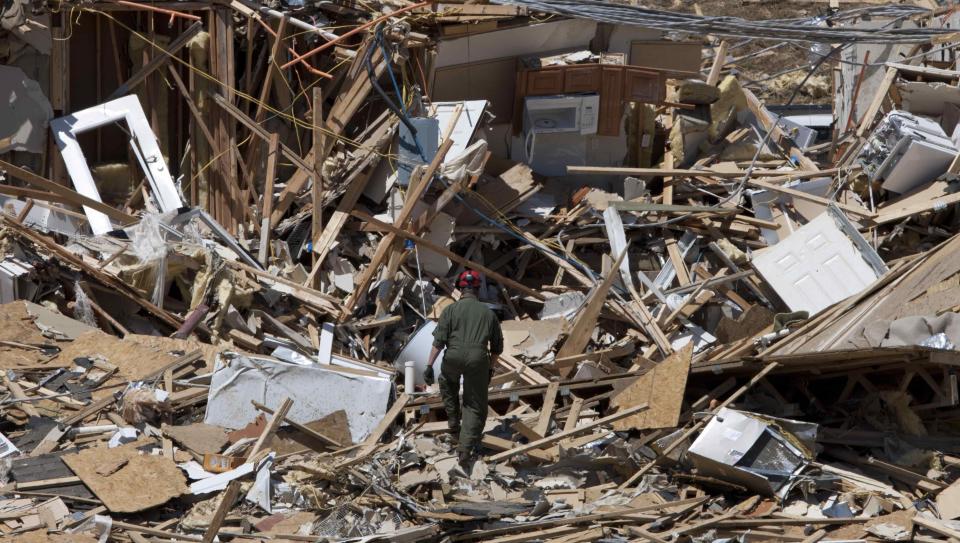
(277, 113)
(392, 158)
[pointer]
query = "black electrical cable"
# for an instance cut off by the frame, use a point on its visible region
(795, 29)
(372, 75)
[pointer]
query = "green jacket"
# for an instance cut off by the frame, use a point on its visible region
(467, 327)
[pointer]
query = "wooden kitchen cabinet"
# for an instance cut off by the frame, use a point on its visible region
(611, 100)
(544, 82)
(581, 79)
(615, 83)
(642, 86)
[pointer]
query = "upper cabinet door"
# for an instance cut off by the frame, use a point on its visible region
(643, 86)
(611, 101)
(544, 82)
(582, 79)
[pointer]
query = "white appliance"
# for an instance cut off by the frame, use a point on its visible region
(906, 151)
(561, 113)
(555, 131)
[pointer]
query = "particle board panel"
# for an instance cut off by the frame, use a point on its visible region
(661, 388)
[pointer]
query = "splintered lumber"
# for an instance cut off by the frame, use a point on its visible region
(351, 98)
(157, 61)
(560, 436)
(427, 244)
(696, 427)
(719, 59)
(301, 428)
(226, 503)
(272, 426)
(678, 172)
(799, 194)
(270, 174)
(370, 444)
(777, 134)
(386, 245)
(65, 193)
(549, 398)
(586, 319)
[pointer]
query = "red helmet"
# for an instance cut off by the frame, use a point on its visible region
(469, 279)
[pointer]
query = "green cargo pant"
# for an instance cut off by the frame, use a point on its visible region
(474, 366)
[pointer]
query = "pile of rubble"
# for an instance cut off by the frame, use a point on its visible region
(228, 231)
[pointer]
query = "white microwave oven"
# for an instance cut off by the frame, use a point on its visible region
(561, 113)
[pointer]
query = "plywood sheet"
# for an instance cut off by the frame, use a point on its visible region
(661, 388)
(141, 482)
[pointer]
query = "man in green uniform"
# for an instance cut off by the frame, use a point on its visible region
(471, 333)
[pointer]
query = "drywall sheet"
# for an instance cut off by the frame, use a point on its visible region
(514, 42)
(819, 265)
(316, 391)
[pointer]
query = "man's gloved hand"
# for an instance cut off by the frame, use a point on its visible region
(428, 375)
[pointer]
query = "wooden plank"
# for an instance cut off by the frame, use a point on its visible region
(226, 504)
(559, 436)
(157, 61)
(677, 172)
(385, 247)
(262, 133)
(67, 194)
(853, 210)
(549, 399)
(586, 318)
(574, 416)
(429, 245)
(273, 150)
(316, 192)
(777, 133)
(301, 428)
(719, 60)
(370, 444)
(17, 392)
(355, 187)
(353, 94)
(272, 426)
